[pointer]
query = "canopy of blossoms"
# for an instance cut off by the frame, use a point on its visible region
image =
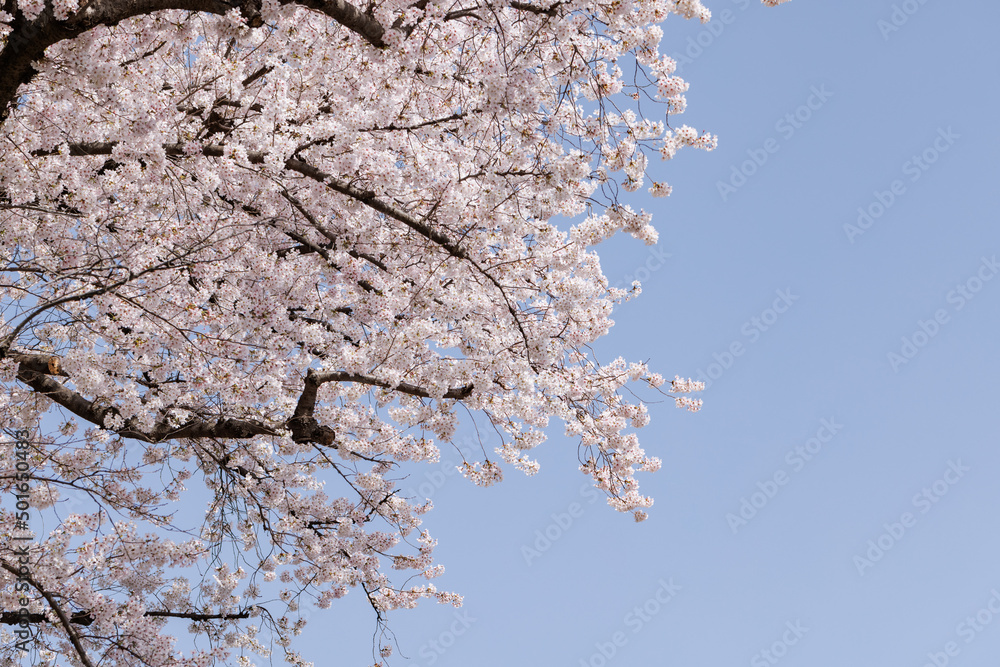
(261, 253)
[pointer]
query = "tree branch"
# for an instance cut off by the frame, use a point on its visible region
(85, 617)
(74, 638)
(28, 40)
(38, 363)
(547, 11)
(34, 371)
(348, 16)
(96, 414)
(457, 393)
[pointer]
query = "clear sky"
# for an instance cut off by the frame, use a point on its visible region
(831, 504)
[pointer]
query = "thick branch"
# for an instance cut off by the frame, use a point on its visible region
(74, 638)
(85, 618)
(28, 40)
(547, 11)
(457, 393)
(35, 371)
(39, 363)
(348, 16)
(96, 413)
(304, 426)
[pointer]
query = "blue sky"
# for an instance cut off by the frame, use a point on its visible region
(881, 547)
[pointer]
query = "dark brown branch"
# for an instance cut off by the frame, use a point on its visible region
(96, 413)
(457, 393)
(263, 71)
(28, 40)
(85, 618)
(39, 363)
(348, 16)
(144, 55)
(525, 7)
(303, 426)
(392, 127)
(300, 207)
(322, 252)
(74, 638)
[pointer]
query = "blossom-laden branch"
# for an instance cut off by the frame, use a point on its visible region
(65, 619)
(34, 370)
(30, 36)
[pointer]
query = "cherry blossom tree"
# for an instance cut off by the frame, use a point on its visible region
(261, 254)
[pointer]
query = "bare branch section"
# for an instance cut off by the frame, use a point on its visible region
(348, 16)
(39, 363)
(403, 387)
(547, 11)
(86, 618)
(97, 413)
(35, 370)
(28, 40)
